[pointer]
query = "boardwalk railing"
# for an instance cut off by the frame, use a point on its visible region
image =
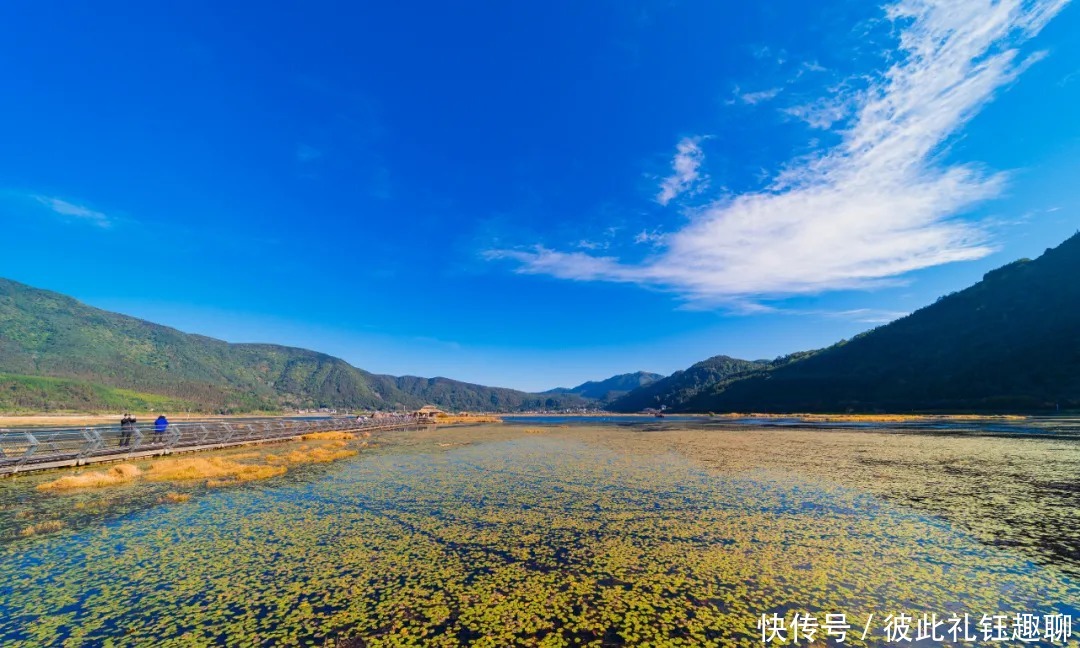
(40, 448)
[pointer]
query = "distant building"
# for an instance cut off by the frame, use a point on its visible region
(429, 412)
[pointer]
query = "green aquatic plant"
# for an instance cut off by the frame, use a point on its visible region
(597, 536)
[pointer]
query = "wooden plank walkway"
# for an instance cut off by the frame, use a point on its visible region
(35, 449)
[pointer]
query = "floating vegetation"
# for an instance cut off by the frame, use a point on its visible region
(175, 497)
(113, 476)
(223, 469)
(316, 455)
(49, 526)
(590, 536)
(452, 419)
(220, 469)
(1015, 492)
(330, 436)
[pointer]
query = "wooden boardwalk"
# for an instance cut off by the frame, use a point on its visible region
(33, 449)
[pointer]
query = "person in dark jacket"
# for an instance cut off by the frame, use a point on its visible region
(127, 426)
(160, 425)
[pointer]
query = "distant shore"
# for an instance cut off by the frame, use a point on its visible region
(803, 416)
(69, 419)
(578, 414)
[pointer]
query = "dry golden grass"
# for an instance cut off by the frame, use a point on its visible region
(221, 470)
(192, 468)
(328, 436)
(254, 473)
(113, 476)
(48, 526)
(175, 497)
(450, 420)
(534, 431)
(315, 455)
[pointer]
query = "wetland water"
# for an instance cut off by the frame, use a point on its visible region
(674, 533)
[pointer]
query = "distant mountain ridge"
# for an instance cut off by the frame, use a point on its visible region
(46, 334)
(1011, 342)
(675, 390)
(610, 388)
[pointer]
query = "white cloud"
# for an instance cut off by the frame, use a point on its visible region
(823, 113)
(686, 167)
(65, 208)
(586, 244)
(754, 98)
(761, 51)
(645, 236)
(877, 205)
(862, 315)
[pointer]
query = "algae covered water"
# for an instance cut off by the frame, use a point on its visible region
(506, 535)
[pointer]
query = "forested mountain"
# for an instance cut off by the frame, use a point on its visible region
(610, 388)
(43, 333)
(681, 386)
(1010, 342)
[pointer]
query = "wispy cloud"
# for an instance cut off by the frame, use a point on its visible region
(755, 98)
(645, 236)
(824, 112)
(863, 213)
(763, 52)
(862, 315)
(586, 244)
(686, 170)
(72, 210)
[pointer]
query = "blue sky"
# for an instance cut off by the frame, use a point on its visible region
(533, 194)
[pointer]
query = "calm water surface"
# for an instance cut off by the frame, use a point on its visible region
(589, 535)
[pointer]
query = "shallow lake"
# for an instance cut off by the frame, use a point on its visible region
(680, 534)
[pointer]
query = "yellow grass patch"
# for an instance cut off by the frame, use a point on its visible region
(176, 497)
(328, 436)
(49, 526)
(116, 475)
(450, 420)
(315, 455)
(254, 473)
(217, 470)
(210, 468)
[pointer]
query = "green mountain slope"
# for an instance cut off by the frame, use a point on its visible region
(43, 333)
(610, 388)
(680, 387)
(456, 395)
(1009, 343)
(41, 394)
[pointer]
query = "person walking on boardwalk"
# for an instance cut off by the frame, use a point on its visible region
(160, 425)
(127, 426)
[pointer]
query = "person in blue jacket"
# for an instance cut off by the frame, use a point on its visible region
(160, 425)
